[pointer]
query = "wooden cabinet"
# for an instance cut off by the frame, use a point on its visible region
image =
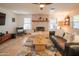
(5, 37)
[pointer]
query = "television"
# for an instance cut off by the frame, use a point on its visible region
(2, 18)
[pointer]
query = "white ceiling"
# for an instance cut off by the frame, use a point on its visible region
(29, 8)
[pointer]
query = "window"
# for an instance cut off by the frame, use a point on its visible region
(76, 22)
(52, 24)
(27, 23)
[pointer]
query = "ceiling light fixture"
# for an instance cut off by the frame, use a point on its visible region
(42, 5)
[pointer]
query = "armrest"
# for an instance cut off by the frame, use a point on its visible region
(72, 49)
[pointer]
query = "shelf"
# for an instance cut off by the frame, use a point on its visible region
(39, 20)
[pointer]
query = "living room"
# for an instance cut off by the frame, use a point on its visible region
(18, 21)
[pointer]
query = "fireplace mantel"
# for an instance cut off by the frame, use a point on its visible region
(39, 20)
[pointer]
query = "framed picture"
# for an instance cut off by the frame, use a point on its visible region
(13, 19)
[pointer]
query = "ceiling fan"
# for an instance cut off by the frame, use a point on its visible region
(42, 5)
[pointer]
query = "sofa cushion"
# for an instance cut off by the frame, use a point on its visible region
(76, 38)
(69, 37)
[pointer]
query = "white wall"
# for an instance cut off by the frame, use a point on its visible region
(61, 16)
(34, 24)
(20, 21)
(9, 25)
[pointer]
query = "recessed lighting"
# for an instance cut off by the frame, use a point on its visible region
(52, 8)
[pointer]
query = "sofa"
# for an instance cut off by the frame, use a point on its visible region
(72, 47)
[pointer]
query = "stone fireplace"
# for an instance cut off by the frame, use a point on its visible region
(37, 26)
(40, 22)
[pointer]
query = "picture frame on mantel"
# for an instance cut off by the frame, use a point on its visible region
(13, 19)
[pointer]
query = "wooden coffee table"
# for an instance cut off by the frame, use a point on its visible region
(40, 44)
